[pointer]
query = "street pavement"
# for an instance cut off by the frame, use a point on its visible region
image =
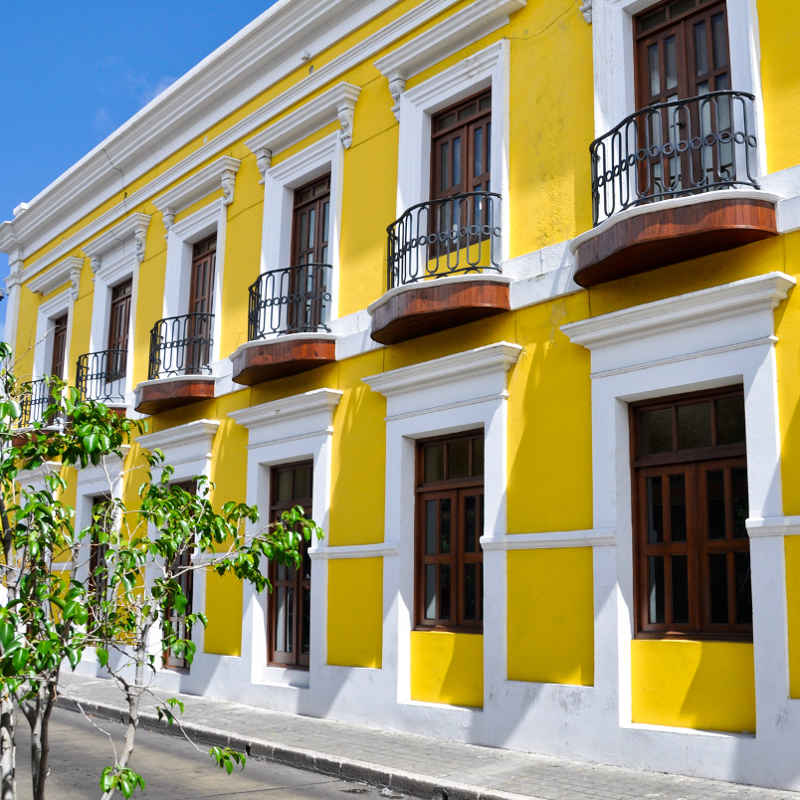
(173, 769)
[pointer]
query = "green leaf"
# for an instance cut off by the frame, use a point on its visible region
(6, 633)
(102, 656)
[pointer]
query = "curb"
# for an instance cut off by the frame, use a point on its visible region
(395, 780)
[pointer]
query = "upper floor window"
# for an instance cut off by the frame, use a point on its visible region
(200, 321)
(311, 222)
(59, 354)
(118, 329)
(449, 559)
(692, 555)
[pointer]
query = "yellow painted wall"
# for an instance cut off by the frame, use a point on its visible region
(551, 616)
(447, 668)
(792, 550)
(703, 685)
(355, 612)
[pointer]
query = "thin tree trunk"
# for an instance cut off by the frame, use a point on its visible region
(8, 753)
(40, 740)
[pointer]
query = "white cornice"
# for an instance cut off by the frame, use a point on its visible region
(156, 132)
(338, 102)
(595, 537)
(763, 292)
(198, 434)
(133, 226)
(219, 174)
(760, 527)
(452, 34)
(491, 358)
(287, 408)
(68, 270)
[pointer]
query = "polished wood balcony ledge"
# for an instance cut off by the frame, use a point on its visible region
(666, 232)
(266, 359)
(435, 304)
(163, 394)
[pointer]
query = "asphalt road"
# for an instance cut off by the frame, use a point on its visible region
(173, 769)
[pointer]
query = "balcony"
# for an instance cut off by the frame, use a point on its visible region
(102, 376)
(287, 325)
(34, 401)
(443, 268)
(671, 182)
(180, 364)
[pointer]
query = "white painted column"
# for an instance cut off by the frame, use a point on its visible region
(14, 289)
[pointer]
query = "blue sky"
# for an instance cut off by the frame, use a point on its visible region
(70, 73)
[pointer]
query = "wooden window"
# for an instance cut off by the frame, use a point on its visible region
(289, 616)
(102, 516)
(186, 582)
(59, 346)
(449, 524)
(201, 302)
(461, 162)
(690, 503)
(682, 51)
(118, 326)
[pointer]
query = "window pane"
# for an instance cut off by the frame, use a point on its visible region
(470, 523)
(457, 161)
(444, 159)
(671, 62)
(656, 589)
(655, 431)
(444, 526)
(290, 620)
(477, 149)
(655, 72)
(280, 619)
(719, 36)
(312, 228)
(284, 485)
(680, 6)
(302, 482)
(470, 591)
(740, 502)
(744, 603)
(430, 591)
(655, 511)
(326, 208)
(715, 499)
(694, 426)
(477, 456)
(434, 462)
(680, 589)
(458, 458)
(718, 587)
(430, 527)
(677, 500)
(730, 419)
(651, 20)
(444, 591)
(700, 49)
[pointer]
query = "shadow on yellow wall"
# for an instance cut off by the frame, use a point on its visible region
(447, 668)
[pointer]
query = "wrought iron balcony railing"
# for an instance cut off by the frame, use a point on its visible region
(101, 376)
(291, 300)
(453, 235)
(181, 346)
(674, 149)
(34, 401)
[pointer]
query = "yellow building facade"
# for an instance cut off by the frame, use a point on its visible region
(502, 292)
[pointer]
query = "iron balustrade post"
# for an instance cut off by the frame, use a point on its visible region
(181, 345)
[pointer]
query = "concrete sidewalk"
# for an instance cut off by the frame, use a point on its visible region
(409, 764)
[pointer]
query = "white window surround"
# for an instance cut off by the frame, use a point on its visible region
(295, 428)
(114, 257)
(714, 337)
(466, 26)
(612, 38)
(49, 310)
(188, 449)
(454, 393)
(219, 174)
(486, 68)
(182, 235)
(280, 181)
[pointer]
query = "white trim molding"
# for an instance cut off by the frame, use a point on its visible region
(295, 428)
(455, 393)
(338, 103)
(551, 540)
(186, 447)
(135, 227)
(452, 34)
(613, 44)
(355, 551)
(68, 270)
(487, 68)
(772, 526)
(219, 174)
(48, 311)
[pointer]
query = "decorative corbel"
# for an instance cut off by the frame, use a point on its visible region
(586, 10)
(228, 181)
(397, 85)
(94, 263)
(14, 277)
(345, 112)
(75, 280)
(263, 161)
(169, 218)
(139, 240)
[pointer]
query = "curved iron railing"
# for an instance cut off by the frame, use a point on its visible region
(34, 400)
(181, 346)
(673, 149)
(291, 300)
(101, 376)
(458, 234)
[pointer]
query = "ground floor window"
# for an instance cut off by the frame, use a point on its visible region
(449, 524)
(690, 503)
(289, 618)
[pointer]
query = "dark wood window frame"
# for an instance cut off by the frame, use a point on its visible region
(692, 466)
(119, 318)
(297, 581)
(58, 355)
(459, 556)
(312, 198)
